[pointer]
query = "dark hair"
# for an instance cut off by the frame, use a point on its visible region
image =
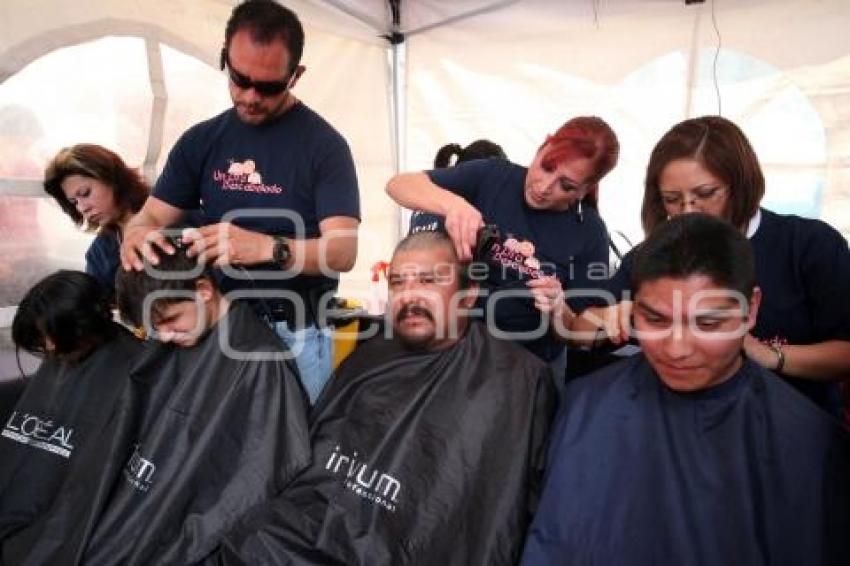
(479, 149)
(722, 148)
(95, 162)
(266, 20)
(588, 137)
(68, 307)
(696, 244)
(429, 239)
(175, 272)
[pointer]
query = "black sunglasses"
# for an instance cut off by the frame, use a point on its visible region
(263, 88)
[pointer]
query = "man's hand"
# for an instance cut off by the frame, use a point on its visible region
(137, 245)
(227, 244)
(462, 223)
(143, 230)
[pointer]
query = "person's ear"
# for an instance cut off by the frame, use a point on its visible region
(205, 289)
(296, 76)
(470, 295)
(755, 303)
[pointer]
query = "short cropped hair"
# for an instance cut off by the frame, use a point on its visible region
(430, 239)
(68, 307)
(266, 20)
(175, 272)
(696, 244)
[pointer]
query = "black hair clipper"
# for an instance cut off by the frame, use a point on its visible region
(488, 236)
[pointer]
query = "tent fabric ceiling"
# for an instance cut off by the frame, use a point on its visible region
(515, 73)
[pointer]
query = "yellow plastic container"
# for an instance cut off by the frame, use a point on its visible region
(345, 336)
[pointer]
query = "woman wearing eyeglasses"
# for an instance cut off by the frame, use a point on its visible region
(802, 265)
(551, 234)
(94, 186)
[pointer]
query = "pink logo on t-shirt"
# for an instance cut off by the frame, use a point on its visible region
(244, 176)
(517, 255)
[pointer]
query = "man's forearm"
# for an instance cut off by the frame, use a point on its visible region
(327, 254)
(155, 214)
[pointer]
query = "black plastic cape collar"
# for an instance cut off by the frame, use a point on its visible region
(426, 458)
(64, 407)
(197, 440)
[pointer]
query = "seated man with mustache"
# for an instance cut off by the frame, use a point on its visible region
(691, 453)
(427, 444)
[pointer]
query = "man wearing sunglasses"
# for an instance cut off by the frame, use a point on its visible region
(276, 184)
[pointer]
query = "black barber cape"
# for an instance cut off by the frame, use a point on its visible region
(65, 405)
(202, 436)
(748, 472)
(418, 458)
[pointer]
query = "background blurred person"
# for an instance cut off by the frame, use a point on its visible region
(479, 149)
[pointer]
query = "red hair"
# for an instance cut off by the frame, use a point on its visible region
(586, 137)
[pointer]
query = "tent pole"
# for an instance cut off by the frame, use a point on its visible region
(160, 99)
(693, 66)
(397, 54)
(398, 114)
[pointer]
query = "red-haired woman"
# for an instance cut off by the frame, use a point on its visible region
(553, 236)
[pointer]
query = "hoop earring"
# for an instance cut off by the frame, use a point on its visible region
(580, 212)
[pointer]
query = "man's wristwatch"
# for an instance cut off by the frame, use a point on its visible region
(280, 251)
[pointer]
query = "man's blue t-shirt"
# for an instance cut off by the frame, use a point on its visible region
(536, 242)
(282, 178)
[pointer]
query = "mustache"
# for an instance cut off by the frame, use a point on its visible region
(249, 107)
(413, 310)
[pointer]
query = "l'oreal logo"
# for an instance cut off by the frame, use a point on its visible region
(370, 484)
(139, 471)
(40, 433)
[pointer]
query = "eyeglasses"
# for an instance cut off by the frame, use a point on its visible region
(700, 195)
(263, 88)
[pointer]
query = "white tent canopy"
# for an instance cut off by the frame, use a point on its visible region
(133, 75)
